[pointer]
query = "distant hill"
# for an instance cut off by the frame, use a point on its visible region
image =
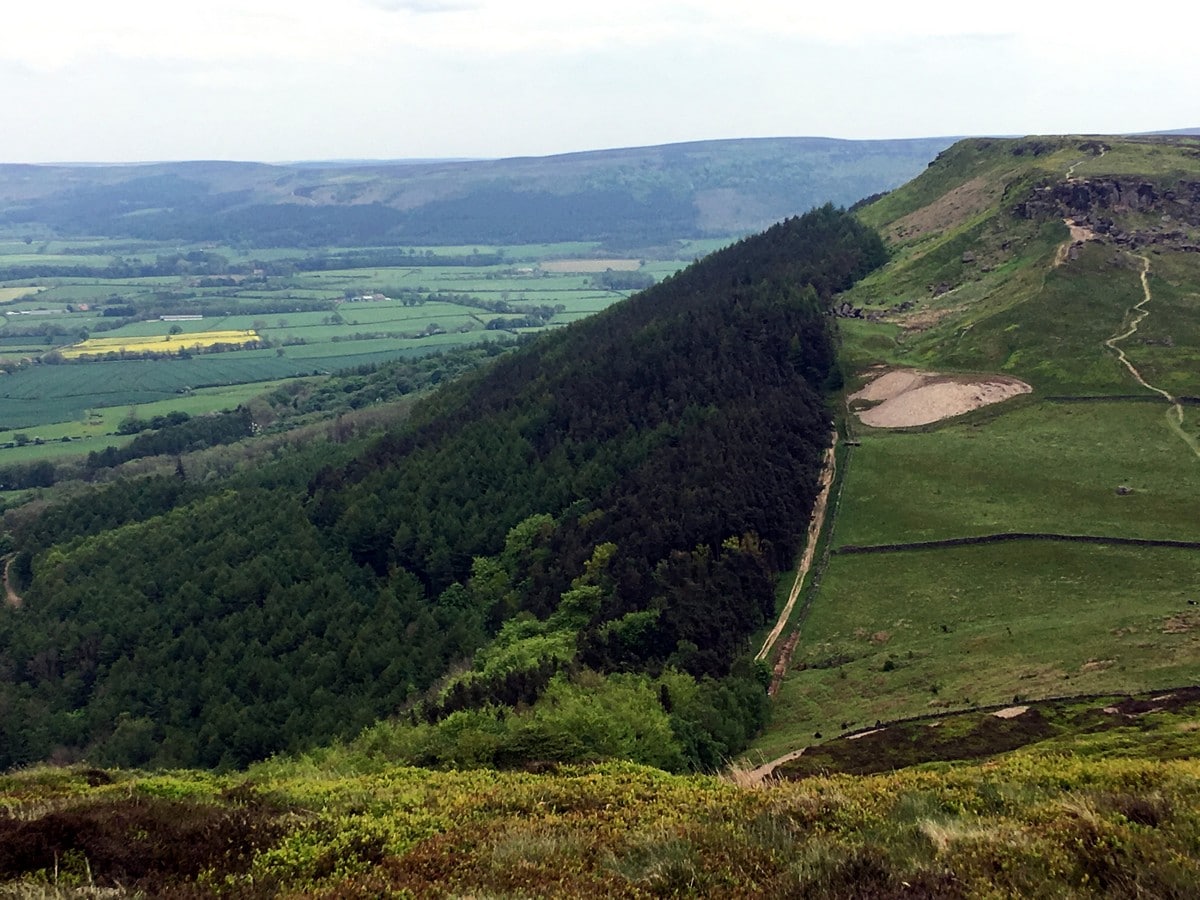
(1179, 132)
(628, 197)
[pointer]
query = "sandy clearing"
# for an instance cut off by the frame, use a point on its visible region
(909, 397)
(891, 384)
(591, 265)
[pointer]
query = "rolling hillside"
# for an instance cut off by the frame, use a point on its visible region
(988, 688)
(1046, 545)
(630, 198)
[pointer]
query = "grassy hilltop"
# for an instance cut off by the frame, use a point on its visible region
(1022, 258)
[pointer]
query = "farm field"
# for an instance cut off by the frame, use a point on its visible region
(178, 343)
(97, 426)
(9, 294)
(306, 316)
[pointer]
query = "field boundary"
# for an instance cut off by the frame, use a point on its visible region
(815, 524)
(1009, 536)
(1119, 398)
(784, 660)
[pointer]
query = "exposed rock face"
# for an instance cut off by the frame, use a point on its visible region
(1078, 197)
(1099, 204)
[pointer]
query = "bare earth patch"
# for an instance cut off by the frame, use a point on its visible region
(591, 265)
(908, 397)
(1080, 235)
(952, 208)
(1181, 624)
(923, 319)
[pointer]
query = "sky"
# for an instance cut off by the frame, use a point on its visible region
(283, 80)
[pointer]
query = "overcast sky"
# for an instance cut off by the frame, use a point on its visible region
(129, 80)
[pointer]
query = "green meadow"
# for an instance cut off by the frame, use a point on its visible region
(900, 634)
(1025, 466)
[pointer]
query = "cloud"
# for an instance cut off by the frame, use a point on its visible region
(422, 6)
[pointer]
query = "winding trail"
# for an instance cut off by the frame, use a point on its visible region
(815, 523)
(1175, 414)
(1079, 233)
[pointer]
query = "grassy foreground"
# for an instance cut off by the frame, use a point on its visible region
(1119, 817)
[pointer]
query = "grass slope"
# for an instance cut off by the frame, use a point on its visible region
(983, 279)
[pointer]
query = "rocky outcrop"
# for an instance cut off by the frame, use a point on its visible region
(1102, 204)
(1080, 197)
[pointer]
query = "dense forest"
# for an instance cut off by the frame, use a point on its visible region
(602, 513)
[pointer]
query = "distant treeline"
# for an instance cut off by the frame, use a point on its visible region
(485, 215)
(216, 270)
(180, 437)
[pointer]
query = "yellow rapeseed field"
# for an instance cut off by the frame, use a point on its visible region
(201, 340)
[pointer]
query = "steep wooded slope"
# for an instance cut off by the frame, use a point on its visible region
(659, 459)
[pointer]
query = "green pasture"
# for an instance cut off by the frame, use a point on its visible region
(93, 292)
(72, 440)
(893, 635)
(54, 401)
(42, 395)
(95, 427)
(54, 259)
(1036, 467)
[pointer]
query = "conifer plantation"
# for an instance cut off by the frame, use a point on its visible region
(602, 513)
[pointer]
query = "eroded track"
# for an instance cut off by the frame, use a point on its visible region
(1140, 312)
